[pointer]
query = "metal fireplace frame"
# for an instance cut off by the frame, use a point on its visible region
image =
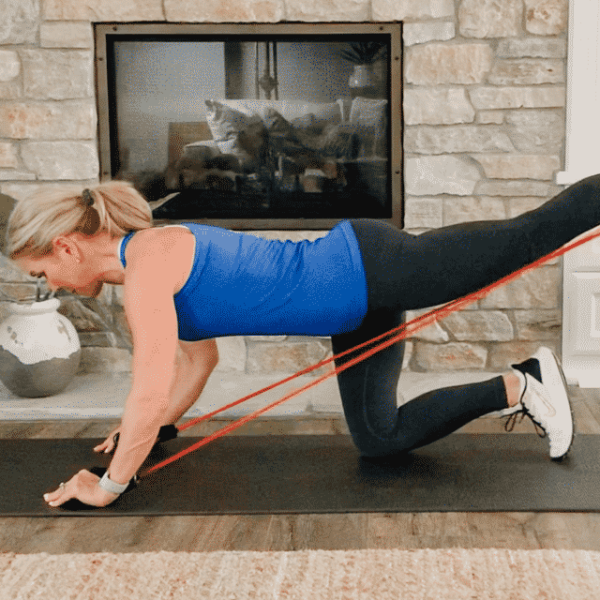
(107, 33)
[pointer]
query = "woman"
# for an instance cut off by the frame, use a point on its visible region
(186, 285)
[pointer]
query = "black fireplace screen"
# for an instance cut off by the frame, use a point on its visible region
(268, 126)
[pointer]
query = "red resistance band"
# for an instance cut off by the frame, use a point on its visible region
(395, 335)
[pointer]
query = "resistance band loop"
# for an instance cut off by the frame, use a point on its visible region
(395, 335)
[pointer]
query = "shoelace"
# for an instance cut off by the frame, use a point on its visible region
(512, 420)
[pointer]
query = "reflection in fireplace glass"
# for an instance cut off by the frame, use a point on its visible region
(253, 127)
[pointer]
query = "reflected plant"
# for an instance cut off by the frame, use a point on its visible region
(364, 53)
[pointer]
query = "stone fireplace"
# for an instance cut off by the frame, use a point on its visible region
(484, 132)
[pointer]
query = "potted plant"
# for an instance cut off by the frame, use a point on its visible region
(363, 55)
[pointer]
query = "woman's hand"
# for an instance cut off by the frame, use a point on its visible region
(83, 487)
(109, 444)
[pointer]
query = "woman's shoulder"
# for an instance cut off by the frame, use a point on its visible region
(158, 239)
(165, 251)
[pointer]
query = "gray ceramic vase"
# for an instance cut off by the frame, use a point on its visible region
(39, 349)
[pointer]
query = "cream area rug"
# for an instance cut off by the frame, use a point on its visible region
(454, 574)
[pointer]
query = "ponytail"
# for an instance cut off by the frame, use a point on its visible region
(115, 207)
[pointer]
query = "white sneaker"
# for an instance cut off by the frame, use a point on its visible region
(545, 400)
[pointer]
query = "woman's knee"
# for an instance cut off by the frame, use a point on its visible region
(370, 445)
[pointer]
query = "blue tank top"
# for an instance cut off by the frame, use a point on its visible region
(241, 284)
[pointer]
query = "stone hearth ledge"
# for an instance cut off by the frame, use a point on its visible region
(102, 396)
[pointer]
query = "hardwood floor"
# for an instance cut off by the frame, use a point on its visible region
(299, 532)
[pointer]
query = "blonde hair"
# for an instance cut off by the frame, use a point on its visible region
(115, 207)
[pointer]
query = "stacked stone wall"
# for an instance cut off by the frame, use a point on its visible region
(484, 131)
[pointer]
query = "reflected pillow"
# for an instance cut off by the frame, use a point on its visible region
(283, 137)
(234, 131)
(334, 140)
(318, 116)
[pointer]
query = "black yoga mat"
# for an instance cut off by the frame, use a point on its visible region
(316, 474)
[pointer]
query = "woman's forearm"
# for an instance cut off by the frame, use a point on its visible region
(143, 417)
(195, 362)
(141, 421)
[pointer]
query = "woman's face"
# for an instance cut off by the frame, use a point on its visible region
(62, 271)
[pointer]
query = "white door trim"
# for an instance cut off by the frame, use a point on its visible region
(582, 152)
(581, 267)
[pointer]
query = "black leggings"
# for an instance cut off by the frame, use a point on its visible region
(408, 272)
